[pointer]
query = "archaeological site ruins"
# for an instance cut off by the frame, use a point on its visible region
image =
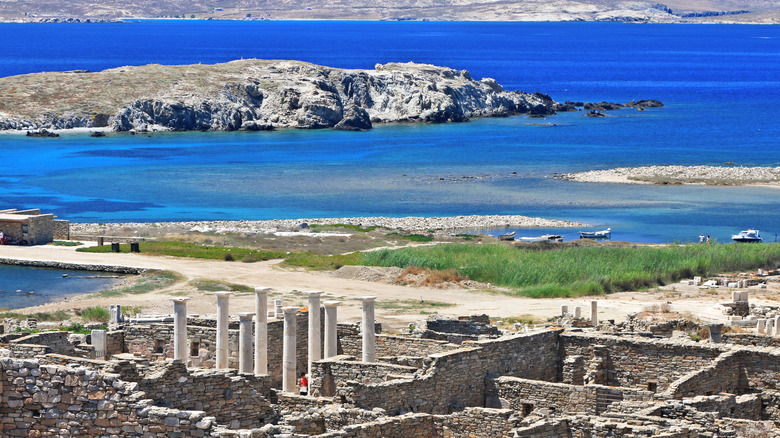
(238, 374)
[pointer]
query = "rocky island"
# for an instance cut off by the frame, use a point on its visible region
(255, 94)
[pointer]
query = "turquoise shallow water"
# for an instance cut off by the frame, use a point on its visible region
(17, 283)
(719, 84)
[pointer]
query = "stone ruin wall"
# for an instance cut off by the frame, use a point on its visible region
(326, 373)
(457, 378)
(636, 362)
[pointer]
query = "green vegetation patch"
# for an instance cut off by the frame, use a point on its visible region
(148, 282)
(58, 315)
(411, 237)
(177, 248)
(578, 271)
(207, 285)
(320, 262)
(66, 243)
(94, 314)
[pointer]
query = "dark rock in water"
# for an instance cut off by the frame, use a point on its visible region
(251, 125)
(602, 106)
(42, 133)
(648, 103)
(354, 119)
(595, 113)
(564, 107)
(97, 134)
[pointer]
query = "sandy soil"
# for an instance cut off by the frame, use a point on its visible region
(712, 175)
(287, 285)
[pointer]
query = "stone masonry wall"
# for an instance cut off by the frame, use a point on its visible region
(388, 345)
(329, 373)
(634, 362)
(57, 401)
(237, 400)
(456, 379)
(722, 375)
(56, 340)
(40, 229)
(61, 229)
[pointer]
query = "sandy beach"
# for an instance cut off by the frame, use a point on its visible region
(709, 175)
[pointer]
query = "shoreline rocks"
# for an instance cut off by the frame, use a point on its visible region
(414, 223)
(678, 175)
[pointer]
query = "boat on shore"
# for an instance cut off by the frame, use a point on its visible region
(603, 234)
(544, 238)
(749, 236)
(507, 236)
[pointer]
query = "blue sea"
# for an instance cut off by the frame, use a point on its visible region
(720, 85)
(22, 286)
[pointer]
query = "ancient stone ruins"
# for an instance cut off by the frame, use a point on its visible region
(187, 375)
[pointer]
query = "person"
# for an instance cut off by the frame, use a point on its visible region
(304, 382)
(701, 238)
(708, 238)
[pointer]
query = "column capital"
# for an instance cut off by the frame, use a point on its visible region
(244, 316)
(290, 309)
(179, 300)
(367, 299)
(225, 294)
(314, 293)
(330, 303)
(262, 289)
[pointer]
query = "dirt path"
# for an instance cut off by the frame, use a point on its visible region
(288, 285)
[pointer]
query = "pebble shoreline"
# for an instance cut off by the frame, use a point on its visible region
(680, 175)
(269, 226)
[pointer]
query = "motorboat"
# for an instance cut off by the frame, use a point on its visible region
(596, 234)
(544, 238)
(747, 236)
(507, 236)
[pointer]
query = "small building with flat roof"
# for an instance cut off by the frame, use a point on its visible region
(30, 227)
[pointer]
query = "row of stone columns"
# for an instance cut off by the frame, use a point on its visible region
(289, 349)
(594, 312)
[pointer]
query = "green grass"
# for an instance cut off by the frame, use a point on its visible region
(408, 306)
(80, 329)
(65, 243)
(148, 282)
(207, 285)
(95, 314)
(177, 248)
(578, 271)
(411, 237)
(59, 315)
(320, 262)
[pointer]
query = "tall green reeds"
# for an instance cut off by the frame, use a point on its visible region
(577, 271)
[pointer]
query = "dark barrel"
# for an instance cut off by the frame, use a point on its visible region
(134, 247)
(114, 247)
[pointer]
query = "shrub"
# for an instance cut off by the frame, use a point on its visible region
(95, 314)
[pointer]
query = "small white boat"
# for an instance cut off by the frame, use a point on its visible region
(544, 238)
(507, 236)
(596, 234)
(747, 236)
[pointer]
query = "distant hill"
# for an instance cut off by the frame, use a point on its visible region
(739, 11)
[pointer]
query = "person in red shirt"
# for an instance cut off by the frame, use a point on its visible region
(304, 383)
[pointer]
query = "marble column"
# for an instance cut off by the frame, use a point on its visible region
(369, 336)
(99, 342)
(180, 329)
(564, 310)
(761, 326)
(288, 350)
(261, 330)
(578, 312)
(278, 312)
(777, 325)
(715, 333)
(315, 335)
(223, 340)
(331, 328)
(770, 326)
(594, 313)
(245, 342)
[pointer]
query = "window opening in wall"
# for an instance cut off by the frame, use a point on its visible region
(194, 349)
(527, 409)
(158, 346)
(652, 385)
